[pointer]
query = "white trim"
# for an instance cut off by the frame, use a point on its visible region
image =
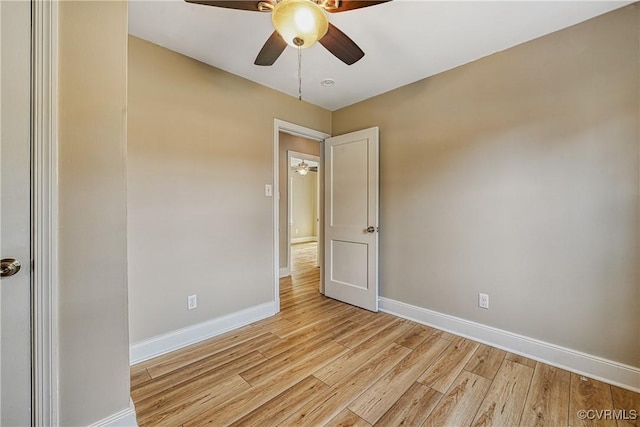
(297, 130)
(45, 212)
(161, 344)
(295, 240)
(608, 371)
(284, 272)
(124, 418)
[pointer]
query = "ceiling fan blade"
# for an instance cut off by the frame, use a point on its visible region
(271, 50)
(354, 4)
(251, 5)
(341, 46)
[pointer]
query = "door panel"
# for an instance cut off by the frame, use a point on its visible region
(351, 218)
(349, 263)
(15, 291)
(349, 183)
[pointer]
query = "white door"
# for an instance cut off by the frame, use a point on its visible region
(351, 218)
(15, 290)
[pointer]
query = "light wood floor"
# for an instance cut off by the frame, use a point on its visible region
(321, 362)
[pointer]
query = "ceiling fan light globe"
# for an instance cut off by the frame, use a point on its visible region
(302, 168)
(301, 23)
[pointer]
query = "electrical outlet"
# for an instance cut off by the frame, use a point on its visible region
(192, 302)
(483, 301)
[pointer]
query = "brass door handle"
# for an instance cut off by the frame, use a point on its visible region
(9, 267)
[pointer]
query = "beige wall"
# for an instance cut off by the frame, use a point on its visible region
(94, 342)
(517, 175)
(200, 153)
(301, 145)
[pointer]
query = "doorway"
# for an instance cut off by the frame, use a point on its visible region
(337, 155)
(303, 210)
(290, 137)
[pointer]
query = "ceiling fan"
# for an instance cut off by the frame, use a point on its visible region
(300, 23)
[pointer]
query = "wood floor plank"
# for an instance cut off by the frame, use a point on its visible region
(308, 302)
(280, 407)
(212, 358)
(243, 403)
(459, 405)
(417, 335)
(521, 359)
(504, 403)
(589, 394)
(327, 405)
(358, 336)
(281, 362)
(311, 317)
(333, 372)
(297, 302)
(377, 399)
(413, 407)
(327, 329)
(181, 389)
(272, 327)
(320, 323)
(364, 317)
(444, 371)
(175, 412)
(139, 375)
(215, 367)
(548, 398)
(346, 418)
(178, 359)
(311, 304)
(291, 297)
(627, 403)
(264, 322)
(486, 361)
(445, 335)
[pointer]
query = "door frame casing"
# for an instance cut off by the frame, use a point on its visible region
(44, 215)
(304, 132)
(312, 157)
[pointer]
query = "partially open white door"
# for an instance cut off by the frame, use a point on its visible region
(351, 218)
(15, 210)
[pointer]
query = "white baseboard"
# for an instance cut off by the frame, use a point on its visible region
(124, 418)
(595, 367)
(165, 343)
(284, 272)
(295, 240)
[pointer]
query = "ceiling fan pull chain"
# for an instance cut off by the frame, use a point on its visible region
(299, 73)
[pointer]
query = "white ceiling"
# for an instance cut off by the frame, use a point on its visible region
(404, 41)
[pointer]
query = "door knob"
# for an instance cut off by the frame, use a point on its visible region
(9, 267)
(370, 229)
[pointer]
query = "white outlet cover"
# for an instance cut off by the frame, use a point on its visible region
(483, 301)
(192, 302)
